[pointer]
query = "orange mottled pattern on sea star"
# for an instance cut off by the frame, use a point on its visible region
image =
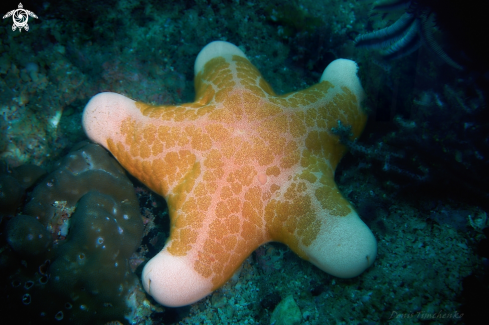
(240, 166)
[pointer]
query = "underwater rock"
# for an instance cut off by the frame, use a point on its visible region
(286, 313)
(88, 214)
(14, 184)
(27, 236)
(27, 174)
(87, 168)
(96, 251)
(10, 194)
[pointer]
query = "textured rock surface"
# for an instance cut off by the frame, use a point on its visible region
(27, 236)
(286, 313)
(13, 185)
(83, 219)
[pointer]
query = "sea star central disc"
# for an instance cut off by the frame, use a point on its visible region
(239, 167)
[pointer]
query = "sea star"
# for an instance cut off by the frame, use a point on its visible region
(240, 167)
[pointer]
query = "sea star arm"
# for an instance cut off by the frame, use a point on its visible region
(239, 167)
